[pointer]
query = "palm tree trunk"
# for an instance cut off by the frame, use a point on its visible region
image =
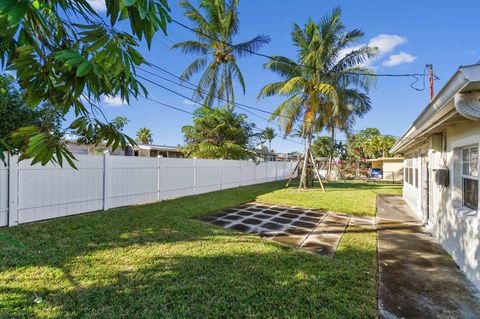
(225, 76)
(306, 160)
(270, 145)
(330, 157)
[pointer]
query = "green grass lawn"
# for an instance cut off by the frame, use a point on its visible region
(356, 198)
(157, 261)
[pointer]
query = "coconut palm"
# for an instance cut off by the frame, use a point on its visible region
(269, 134)
(216, 23)
(312, 84)
(352, 104)
(144, 136)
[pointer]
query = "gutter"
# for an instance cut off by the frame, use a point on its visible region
(466, 104)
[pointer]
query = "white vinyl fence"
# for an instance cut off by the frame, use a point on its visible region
(30, 193)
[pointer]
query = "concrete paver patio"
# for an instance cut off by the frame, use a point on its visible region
(418, 279)
(311, 230)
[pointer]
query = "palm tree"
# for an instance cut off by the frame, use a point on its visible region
(352, 103)
(269, 134)
(144, 136)
(216, 23)
(313, 84)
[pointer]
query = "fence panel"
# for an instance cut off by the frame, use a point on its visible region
(132, 180)
(248, 172)
(261, 173)
(176, 177)
(208, 175)
(230, 174)
(271, 171)
(3, 195)
(102, 182)
(50, 191)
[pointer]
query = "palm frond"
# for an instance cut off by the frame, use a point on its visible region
(195, 67)
(191, 47)
(245, 48)
(271, 89)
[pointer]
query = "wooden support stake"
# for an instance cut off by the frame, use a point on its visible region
(316, 171)
(293, 173)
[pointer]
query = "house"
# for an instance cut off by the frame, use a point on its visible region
(392, 168)
(441, 162)
(151, 150)
(263, 154)
(144, 150)
(78, 148)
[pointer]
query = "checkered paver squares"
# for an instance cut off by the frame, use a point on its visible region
(311, 230)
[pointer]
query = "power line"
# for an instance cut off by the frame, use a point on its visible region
(191, 113)
(414, 75)
(239, 105)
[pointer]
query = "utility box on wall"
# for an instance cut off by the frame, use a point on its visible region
(442, 177)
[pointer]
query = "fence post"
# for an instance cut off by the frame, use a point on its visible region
(254, 172)
(276, 171)
(12, 190)
(221, 174)
(266, 171)
(195, 192)
(106, 180)
(159, 179)
(240, 169)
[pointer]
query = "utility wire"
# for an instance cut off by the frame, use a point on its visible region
(239, 105)
(414, 75)
(191, 113)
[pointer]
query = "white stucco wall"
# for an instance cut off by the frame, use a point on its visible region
(457, 229)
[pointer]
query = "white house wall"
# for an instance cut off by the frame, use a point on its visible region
(455, 229)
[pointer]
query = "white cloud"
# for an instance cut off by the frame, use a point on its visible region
(98, 5)
(113, 100)
(386, 42)
(400, 58)
(189, 102)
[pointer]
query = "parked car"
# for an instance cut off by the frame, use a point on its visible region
(376, 173)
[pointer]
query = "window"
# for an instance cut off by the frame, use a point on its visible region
(470, 177)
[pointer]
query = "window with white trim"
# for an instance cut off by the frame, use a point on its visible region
(470, 177)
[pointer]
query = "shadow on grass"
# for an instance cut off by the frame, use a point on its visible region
(156, 261)
(278, 282)
(354, 185)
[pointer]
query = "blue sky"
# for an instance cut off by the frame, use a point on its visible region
(409, 33)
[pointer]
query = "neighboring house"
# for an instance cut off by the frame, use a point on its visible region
(392, 168)
(262, 154)
(150, 150)
(441, 168)
(77, 148)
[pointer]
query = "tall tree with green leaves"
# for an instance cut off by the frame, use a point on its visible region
(313, 82)
(269, 134)
(15, 114)
(216, 24)
(144, 136)
(65, 54)
(219, 133)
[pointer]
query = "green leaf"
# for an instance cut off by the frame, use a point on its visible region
(128, 3)
(5, 4)
(84, 68)
(67, 54)
(17, 13)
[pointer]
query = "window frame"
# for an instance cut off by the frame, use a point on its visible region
(468, 176)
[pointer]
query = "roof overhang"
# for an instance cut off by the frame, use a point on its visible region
(441, 109)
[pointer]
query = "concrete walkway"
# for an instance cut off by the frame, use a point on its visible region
(418, 279)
